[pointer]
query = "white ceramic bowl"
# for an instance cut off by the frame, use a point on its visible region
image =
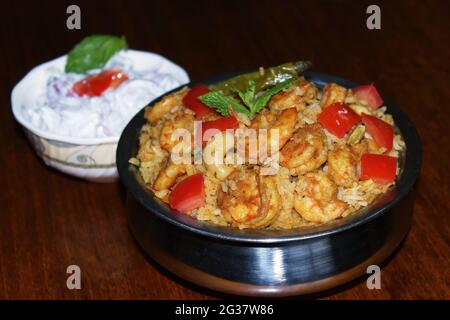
(92, 159)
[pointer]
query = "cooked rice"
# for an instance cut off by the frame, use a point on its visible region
(151, 158)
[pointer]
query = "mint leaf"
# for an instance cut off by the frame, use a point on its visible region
(221, 103)
(93, 52)
(247, 96)
(262, 100)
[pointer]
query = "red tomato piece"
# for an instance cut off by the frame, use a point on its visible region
(378, 167)
(338, 119)
(381, 131)
(94, 85)
(192, 101)
(370, 94)
(211, 128)
(189, 194)
(221, 124)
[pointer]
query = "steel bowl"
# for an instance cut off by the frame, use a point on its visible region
(271, 262)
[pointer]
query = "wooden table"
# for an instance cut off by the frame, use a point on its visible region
(49, 220)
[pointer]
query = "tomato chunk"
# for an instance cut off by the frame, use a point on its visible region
(378, 167)
(94, 85)
(338, 119)
(221, 124)
(370, 94)
(192, 102)
(381, 131)
(211, 128)
(189, 194)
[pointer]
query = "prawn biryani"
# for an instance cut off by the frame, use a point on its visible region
(269, 149)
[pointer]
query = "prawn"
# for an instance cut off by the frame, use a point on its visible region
(157, 111)
(250, 200)
(316, 198)
(342, 163)
(181, 121)
(295, 96)
(168, 176)
(306, 151)
(215, 152)
(279, 130)
(332, 93)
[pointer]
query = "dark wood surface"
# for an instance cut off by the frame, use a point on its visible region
(49, 221)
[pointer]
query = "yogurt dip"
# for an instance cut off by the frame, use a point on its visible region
(56, 109)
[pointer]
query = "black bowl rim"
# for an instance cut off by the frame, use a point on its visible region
(411, 170)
